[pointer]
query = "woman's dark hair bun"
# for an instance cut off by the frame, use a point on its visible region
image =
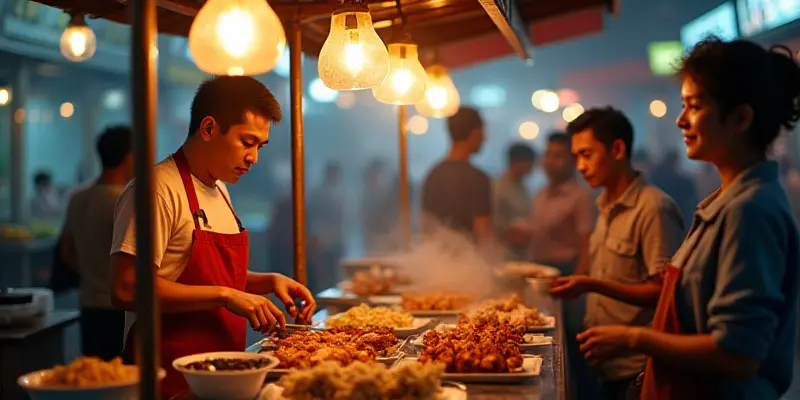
(788, 75)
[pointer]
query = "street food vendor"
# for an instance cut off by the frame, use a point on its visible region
(726, 317)
(206, 293)
(638, 228)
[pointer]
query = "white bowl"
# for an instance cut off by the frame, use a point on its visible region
(128, 390)
(231, 385)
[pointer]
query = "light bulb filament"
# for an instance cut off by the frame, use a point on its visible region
(235, 32)
(353, 53)
(78, 42)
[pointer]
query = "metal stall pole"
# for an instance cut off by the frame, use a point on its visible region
(19, 179)
(143, 79)
(405, 201)
(298, 157)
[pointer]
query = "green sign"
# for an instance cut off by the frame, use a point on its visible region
(664, 56)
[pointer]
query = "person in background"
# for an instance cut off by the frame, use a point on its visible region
(86, 240)
(455, 193)
(725, 324)
(511, 207)
(667, 176)
(562, 218)
(638, 229)
(46, 203)
(379, 209)
(206, 293)
(326, 222)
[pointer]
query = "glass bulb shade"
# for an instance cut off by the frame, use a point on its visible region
(236, 37)
(353, 56)
(441, 96)
(406, 81)
(78, 43)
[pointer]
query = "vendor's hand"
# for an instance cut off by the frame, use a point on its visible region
(257, 309)
(287, 290)
(570, 287)
(603, 342)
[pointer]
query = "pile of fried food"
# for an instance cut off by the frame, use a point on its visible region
(305, 349)
(483, 347)
(511, 311)
(366, 316)
(91, 371)
(435, 301)
(332, 381)
(376, 280)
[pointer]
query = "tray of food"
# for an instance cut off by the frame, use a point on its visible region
(527, 270)
(435, 304)
(332, 381)
(402, 322)
(375, 281)
(480, 353)
(305, 349)
(525, 340)
(512, 311)
(84, 377)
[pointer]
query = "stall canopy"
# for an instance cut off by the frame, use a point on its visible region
(496, 28)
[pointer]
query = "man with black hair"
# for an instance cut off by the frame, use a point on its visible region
(638, 229)
(87, 237)
(512, 202)
(206, 293)
(455, 193)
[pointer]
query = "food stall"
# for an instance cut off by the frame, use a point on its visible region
(459, 32)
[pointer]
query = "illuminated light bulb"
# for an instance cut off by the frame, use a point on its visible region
(78, 42)
(658, 108)
(66, 110)
(571, 112)
(353, 56)
(549, 102)
(236, 37)
(5, 96)
(441, 96)
(418, 125)
(406, 81)
(529, 130)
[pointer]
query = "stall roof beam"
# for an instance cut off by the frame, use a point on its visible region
(505, 15)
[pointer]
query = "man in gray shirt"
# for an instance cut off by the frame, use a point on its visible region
(87, 242)
(638, 229)
(455, 193)
(512, 202)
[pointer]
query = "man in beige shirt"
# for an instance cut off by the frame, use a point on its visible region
(638, 229)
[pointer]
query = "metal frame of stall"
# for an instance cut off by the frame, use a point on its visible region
(143, 77)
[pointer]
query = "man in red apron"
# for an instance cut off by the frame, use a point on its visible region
(206, 292)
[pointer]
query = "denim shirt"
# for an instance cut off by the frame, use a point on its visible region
(739, 280)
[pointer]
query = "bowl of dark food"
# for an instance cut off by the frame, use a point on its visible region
(225, 375)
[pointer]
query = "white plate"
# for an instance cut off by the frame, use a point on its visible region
(418, 325)
(550, 324)
(525, 269)
(531, 368)
(275, 392)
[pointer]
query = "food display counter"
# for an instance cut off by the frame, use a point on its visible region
(550, 384)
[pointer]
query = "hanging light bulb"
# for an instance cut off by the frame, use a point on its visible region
(441, 96)
(236, 37)
(406, 81)
(353, 56)
(5, 96)
(78, 42)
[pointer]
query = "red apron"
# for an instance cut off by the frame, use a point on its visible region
(662, 381)
(216, 259)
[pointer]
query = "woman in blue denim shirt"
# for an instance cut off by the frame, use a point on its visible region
(725, 324)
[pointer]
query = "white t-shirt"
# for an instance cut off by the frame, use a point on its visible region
(173, 223)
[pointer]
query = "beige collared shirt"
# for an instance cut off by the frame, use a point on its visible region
(633, 238)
